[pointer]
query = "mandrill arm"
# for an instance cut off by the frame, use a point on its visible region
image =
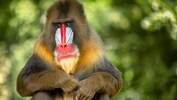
(36, 76)
(105, 80)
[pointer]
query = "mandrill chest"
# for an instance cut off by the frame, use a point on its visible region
(66, 52)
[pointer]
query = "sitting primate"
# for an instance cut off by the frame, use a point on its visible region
(68, 61)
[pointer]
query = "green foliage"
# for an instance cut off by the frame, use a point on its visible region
(140, 38)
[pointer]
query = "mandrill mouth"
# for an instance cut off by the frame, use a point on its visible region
(61, 56)
(70, 51)
(64, 36)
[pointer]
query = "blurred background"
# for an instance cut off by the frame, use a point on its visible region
(140, 37)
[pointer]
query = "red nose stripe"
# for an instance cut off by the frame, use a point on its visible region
(63, 33)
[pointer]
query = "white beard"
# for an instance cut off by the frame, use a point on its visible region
(68, 64)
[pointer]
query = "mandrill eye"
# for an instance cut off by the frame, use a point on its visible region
(69, 25)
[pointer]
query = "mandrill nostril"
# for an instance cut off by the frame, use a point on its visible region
(65, 46)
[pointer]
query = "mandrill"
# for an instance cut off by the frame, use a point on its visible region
(68, 60)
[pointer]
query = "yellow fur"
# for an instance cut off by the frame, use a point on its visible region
(43, 52)
(68, 64)
(90, 54)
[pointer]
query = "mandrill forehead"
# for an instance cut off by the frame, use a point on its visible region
(65, 8)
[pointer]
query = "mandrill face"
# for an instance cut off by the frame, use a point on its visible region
(66, 51)
(66, 21)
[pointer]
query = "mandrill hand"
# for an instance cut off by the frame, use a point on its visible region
(70, 85)
(87, 90)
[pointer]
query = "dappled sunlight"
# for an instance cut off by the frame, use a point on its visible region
(4, 72)
(25, 10)
(140, 39)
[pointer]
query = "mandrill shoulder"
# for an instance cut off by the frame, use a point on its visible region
(103, 65)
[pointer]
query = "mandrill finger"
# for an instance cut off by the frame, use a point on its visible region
(81, 97)
(86, 98)
(77, 96)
